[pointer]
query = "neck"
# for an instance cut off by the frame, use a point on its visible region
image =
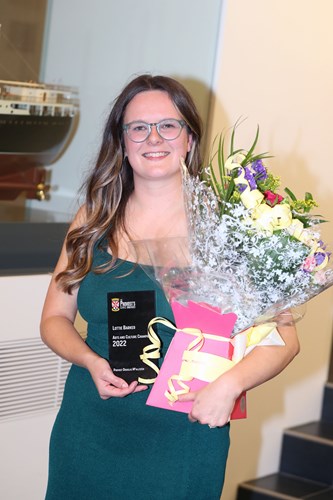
(158, 194)
(156, 210)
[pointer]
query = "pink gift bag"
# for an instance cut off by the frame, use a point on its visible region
(200, 343)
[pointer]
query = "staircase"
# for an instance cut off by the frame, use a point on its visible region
(306, 463)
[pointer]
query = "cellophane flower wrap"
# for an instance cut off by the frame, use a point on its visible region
(251, 255)
(250, 250)
(259, 253)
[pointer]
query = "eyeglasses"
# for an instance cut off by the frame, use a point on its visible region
(169, 129)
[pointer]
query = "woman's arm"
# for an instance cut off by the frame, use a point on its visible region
(58, 332)
(213, 404)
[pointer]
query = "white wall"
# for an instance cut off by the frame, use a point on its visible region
(275, 68)
(100, 45)
(24, 439)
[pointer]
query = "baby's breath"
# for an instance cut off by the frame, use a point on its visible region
(240, 266)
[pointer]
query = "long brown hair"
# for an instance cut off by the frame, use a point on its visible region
(110, 183)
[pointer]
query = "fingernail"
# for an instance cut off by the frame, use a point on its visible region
(124, 385)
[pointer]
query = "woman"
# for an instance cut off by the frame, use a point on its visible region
(106, 443)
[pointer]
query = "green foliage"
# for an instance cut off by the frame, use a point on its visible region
(223, 182)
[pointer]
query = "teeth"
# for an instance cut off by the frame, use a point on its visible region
(155, 155)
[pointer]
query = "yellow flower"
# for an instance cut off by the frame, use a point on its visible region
(270, 219)
(262, 219)
(282, 216)
(234, 161)
(307, 237)
(296, 229)
(251, 199)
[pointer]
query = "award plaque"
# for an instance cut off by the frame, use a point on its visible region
(128, 316)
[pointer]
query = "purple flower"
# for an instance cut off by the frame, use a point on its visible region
(328, 254)
(252, 173)
(250, 178)
(320, 257)
(241, 187)
(259, 170)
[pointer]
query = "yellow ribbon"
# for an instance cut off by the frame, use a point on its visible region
(255, 334)
(151, 351)
(201, 365)
(235, 161)
(301, 233)
(324, 263)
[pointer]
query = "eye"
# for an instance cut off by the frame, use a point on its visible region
(169, 125)
(138, 127)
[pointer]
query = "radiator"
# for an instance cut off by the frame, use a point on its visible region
(31, 387)
(31, 378)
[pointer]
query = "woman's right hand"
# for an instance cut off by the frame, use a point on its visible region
(107, 384)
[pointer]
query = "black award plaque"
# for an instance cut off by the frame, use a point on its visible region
(128, 316)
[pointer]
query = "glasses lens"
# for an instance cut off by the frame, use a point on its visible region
(169, 129)
(138, 131)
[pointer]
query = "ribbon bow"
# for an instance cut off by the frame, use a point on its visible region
(201, 365)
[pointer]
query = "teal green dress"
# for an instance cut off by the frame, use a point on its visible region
(121, 448)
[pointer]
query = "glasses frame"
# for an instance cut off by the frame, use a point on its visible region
(182, 124)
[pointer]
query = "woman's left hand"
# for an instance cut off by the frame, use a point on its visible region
(212, 405)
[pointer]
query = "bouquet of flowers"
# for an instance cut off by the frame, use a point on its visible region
(251, 255)
(267, 247)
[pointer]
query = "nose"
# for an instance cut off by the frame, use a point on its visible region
(154, 137)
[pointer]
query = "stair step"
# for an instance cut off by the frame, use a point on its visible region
(307, 451)
(318, 431)
(284, 487)
(327, 410)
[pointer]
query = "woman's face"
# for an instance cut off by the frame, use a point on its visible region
(155, 157)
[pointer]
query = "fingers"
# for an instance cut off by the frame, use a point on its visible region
(108, 384)
(111, 391)
(122, 391)
(212, 422)
(190, 396)
(206, 410)
(140, 388)
(116, 381)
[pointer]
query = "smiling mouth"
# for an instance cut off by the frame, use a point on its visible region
(157, 154)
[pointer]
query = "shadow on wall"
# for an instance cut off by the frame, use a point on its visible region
(295, 396)
(202, 96)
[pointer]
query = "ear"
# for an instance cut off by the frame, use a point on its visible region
(189, 142)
